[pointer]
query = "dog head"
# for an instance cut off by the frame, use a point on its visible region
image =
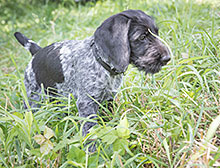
(128, 37)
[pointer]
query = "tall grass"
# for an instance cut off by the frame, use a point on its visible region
(170, 119)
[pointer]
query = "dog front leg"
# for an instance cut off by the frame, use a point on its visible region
(88, 109)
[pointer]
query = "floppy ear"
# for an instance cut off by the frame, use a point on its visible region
(112, 38)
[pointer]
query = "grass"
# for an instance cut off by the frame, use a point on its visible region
(170, 119)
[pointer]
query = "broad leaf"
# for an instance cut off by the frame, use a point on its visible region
(107, 134)
(122, 129)
(110, 137)
(48, 133)
(119, 145)
(18, 115)
(76, 154)
(46, 147)
(93, 161)
(104, 131)
(39, 139)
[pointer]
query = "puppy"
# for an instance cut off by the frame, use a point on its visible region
(92, 69)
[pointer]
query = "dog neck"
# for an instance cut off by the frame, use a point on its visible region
(98, 53)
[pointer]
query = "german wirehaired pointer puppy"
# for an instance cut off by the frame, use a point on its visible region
(93, 68)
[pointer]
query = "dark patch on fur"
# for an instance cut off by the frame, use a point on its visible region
(47, 66)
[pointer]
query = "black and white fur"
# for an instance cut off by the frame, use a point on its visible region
(93, 68)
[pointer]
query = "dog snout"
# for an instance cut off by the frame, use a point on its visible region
(163, 52)
(165, 59)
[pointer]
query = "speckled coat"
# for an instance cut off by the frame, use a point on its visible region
(81, 76)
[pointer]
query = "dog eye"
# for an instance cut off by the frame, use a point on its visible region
(142, 37)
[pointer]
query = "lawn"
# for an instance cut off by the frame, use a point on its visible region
(170, 119)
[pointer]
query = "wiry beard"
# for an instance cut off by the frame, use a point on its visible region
(150, 62)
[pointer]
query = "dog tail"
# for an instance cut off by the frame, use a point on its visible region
(27, 43)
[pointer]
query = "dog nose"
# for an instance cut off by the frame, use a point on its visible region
(165, 59)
